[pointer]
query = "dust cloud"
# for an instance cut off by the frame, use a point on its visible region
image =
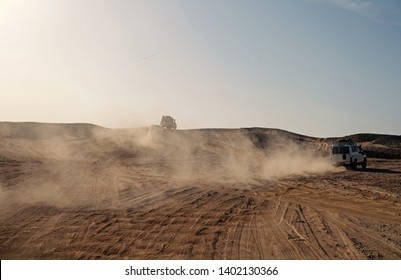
(231, 156)
(74, 165)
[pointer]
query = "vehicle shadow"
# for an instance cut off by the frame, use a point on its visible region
(380, 170)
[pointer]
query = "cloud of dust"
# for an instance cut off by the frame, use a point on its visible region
(231, 156)
(92, 168)
(290, 158)
(69, 165)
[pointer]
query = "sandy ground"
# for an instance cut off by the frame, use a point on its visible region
(113, 199)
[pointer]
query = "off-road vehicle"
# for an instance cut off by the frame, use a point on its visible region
(348, 153)
(168, 122)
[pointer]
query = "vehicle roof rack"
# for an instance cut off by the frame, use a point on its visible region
(345, 141)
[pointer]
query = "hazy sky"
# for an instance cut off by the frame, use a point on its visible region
(316, 67)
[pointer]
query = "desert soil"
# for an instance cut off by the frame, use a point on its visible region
(61, 200)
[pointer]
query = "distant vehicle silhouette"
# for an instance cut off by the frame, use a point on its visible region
(168, 122)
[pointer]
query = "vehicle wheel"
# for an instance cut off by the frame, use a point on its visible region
(364, 163)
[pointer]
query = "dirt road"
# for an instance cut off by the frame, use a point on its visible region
(59, 203)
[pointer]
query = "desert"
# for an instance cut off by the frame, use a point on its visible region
(82, 191)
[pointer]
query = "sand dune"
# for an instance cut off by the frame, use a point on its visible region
(80, 191)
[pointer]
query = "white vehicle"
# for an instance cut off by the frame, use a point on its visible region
(348, 153)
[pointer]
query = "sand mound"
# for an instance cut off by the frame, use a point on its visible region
(32, 130)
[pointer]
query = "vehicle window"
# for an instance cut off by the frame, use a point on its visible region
(344, 150)
(354, 149)
(335, 150)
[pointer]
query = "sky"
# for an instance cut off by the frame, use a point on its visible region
(315, 67)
